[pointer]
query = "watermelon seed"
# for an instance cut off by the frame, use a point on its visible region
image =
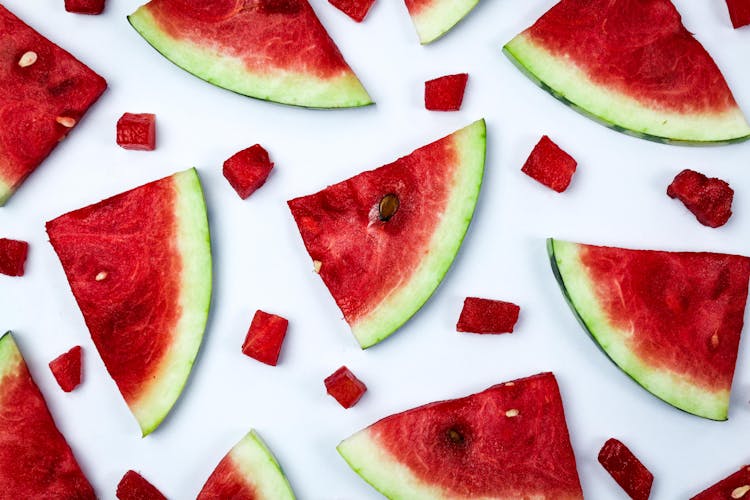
(317, 265)
(388, 207)
(715, 340)
(740, 492)
(511, 413)
(27, 59)
(509, 384)
(66, 121)
(455, 436)
(101, 276)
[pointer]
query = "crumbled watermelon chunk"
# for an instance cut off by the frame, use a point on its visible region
(733, 487)
(626, 469)
(133, 486)
(67, 369)
(345, 387)
(550, 165)
(264, 338)
(710, 199)
(137, 131)
(84, 6)
(248, 170)
(739, 11)
(356, 9)
(445, 93)
(13, 256)
(487, 316)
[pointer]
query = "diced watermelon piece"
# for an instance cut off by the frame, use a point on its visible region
(626, 469)
(248, 170)
(133, 486)
(137, 131)
(85, 6)
(487, 316)
(67, 369)
(13, 256)
(550, 165)
(356, 9)
(739, 11)
(345, 387)
(710, 199)
(445, 93)
(736, 486)
(265, 336)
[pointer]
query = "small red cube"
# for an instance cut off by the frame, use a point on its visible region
(345, 387)
(67, 369)
(133, 486)
(487, 316)
(85, 6)
(137, 131)
(550, 165)
(248, 170)
(445, 93)
(739, 11)
(710, 199)
(626, 469)
(264, 338)
(736, 486)
(13, 256)
(356, 9)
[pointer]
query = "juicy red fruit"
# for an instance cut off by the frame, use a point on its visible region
(550, 165)
(487, 316)
(13, 256)
(345, 387)
(710, 199)
(248, 170)
(133, 486)
(137, 131)
(733, 487)
(356, 9)
(626, 469)
(445, 93)
(84, 6)
(265, 336)
(67, 369)
(739, 11)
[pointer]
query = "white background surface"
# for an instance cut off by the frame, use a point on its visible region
(617, 197)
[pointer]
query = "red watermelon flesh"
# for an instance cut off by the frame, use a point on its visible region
(85, 6)
(13, 256)
(509, 441)
(550, 165)
(710, 199)
(67, 369)
(445, 93)
(487, 316)
(265, 337)
(736, 486)
(356, 9)
(739, 11)
(133, 486)
(626, 469)
(345, 387)
(35, 459)
(248, 170)
(137, 131)
(44, 92)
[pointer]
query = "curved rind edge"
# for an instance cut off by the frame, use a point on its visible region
(435, 23)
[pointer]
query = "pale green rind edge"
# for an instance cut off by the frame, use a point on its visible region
(296, 89)
(194, 245)
(397, 308)
(439, 18)
(5, 192)
(10, 356)
(260, 468)
(564, 81)
(670, 387)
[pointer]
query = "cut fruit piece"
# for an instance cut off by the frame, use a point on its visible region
(275, 50)
(44, 93)
(137, 131)
(265, 337)
(35, 459)
(710, 199)
(550, 165)
(736, 486)
(626, 469)
(670, 320)
(509, 441)
(139, 266)
(356, 9)
(13, 256)
(67, 369)
(248, 170)
(434, 18)
(739, 11)
(133, 486)
(644, 75)
(345, 387)
(85, 6)
(487, 316)
(383, 240)
(249, 471)
(445, 93)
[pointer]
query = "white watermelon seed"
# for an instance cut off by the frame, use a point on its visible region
(66, 121)
(101, 276)
(740, 492)
(512, 413)
(27, 59)
(509, 384)
(317, 265)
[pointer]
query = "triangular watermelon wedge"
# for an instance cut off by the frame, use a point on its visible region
(670, 320)
(139, 266)
(275, 50)
(383, 240)
(434, 18)
(507, 442)
(633, 66)
(35, 459)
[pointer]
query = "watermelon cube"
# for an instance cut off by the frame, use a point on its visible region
(137, 131)
(445, 93)
(356, 9)
(735, 486)
(710, 199)
(626, 469)
(265, 336)
(248, 170)
(13, 256)
(84, 6)
(487, 316)
(739, 11)
(550, 165)
(133, 486)
(67, 369)
(345, 387)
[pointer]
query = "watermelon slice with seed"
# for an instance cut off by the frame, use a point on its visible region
(383, 240)
(509, 441)
(670, 320)
(644, 75)
(275, 50)
(35, 459)
(434, 18)
(139, 266)
(735, 487)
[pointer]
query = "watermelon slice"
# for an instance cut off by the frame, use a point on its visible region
(133, 486)
(383, 240)
(248, 170)
(265, 337)
(548, 164)
(67, 369)
(275, 50)
(13, 255)
(487, 316)
(626, 469)
(137, 131)
(736, 486)
(633, 66)
(345, 387)
(434, 18)
(509, 441)
(670, 320)
(249, 471)
(445, 93)
(44, 92)
(35, 459)
(139, 266)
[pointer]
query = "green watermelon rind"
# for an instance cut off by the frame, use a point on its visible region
(6, 191)
(565, 82)
(436, 20)
(398, 307)
(296, 89)
(10, 356)
(579, 293)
